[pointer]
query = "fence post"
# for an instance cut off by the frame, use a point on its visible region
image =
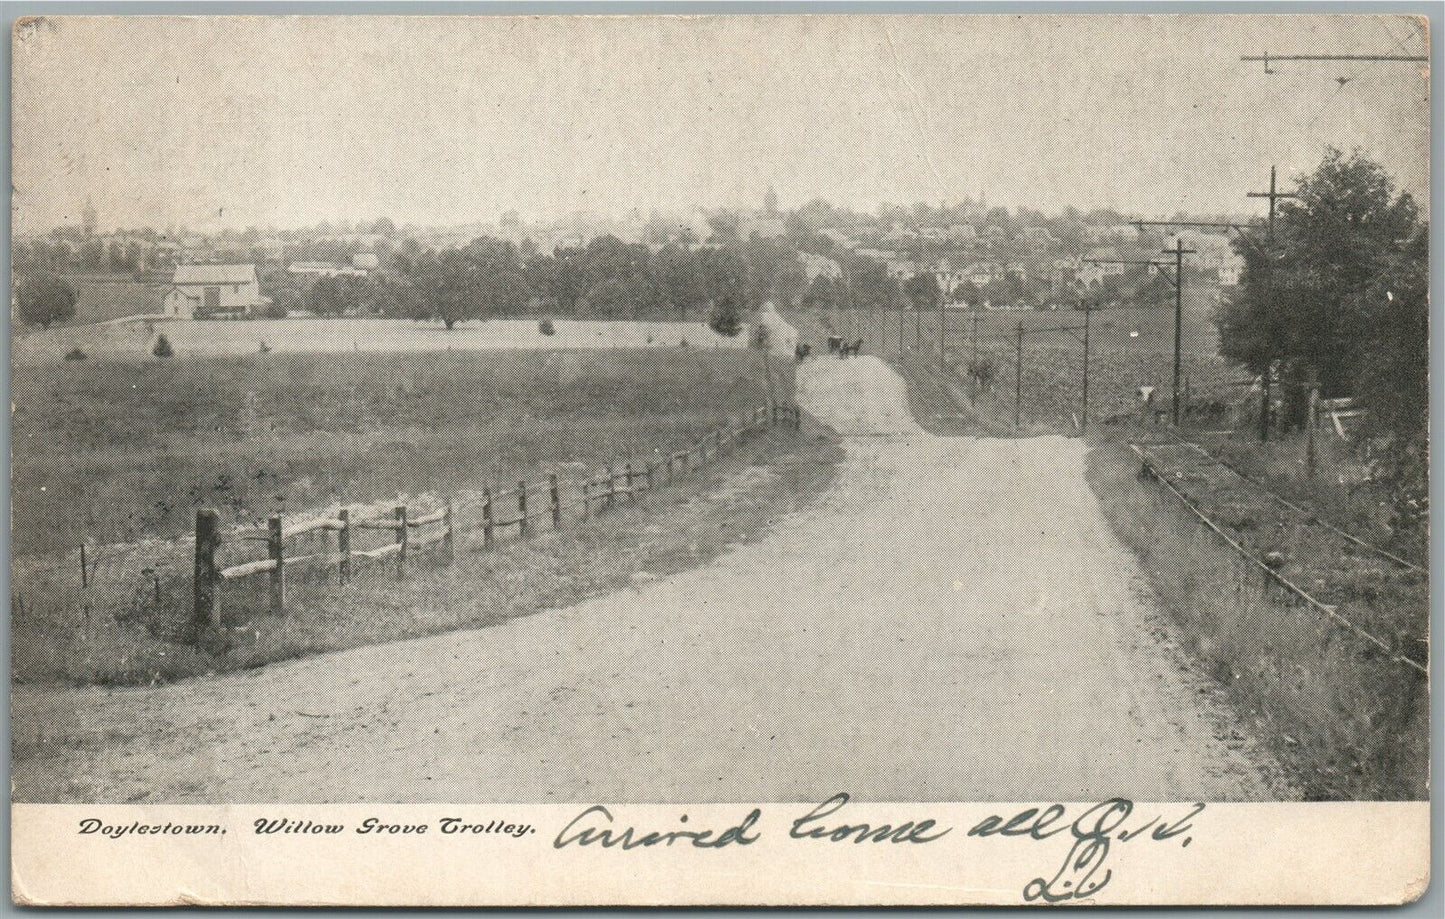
(343, 546)
(206, 608)
(275, 549)
(669, 469)
(1312, 423)
(629, 478)
(556, 501)
(648, 470)
(797, 417)
(775, 412)
(586, 500)
(487, 536)
(402, 539)
(611, 486)
(522, 508)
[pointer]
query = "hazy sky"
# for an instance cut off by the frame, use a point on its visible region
(288, 121)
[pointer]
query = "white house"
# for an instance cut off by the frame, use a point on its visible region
(206, 290)
(365, 261)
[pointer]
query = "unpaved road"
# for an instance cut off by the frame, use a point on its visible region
(954, 621)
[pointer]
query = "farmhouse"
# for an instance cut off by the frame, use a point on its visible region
(198, 291)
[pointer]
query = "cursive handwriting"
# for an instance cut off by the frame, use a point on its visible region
(805, 827)
(1094, 831)
(632, 838)
(1092, 836)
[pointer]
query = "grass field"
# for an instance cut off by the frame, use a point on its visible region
(1129, 348)
(119, 455)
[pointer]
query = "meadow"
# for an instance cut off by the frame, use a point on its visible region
(118, 455)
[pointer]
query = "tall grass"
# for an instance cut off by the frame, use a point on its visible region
(1349, 722)
(120, 455)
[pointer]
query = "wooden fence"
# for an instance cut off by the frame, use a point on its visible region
(519, 510)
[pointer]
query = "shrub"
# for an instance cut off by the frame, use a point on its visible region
(163, 347)
(725, 318)
(75, 354)
(546, 328)
(981, 369)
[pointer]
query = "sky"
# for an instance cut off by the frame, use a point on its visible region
(219, 122)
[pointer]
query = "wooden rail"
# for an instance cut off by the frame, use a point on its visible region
(437, 526)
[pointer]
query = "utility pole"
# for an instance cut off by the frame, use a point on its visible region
(975, 332)
(1266, 402)
(1178, 252)
(1018, 371)
(1273, 196)
(942, 337)
(1084, 415)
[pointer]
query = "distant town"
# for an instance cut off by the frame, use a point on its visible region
(976, 256)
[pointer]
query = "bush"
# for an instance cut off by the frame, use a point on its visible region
(981, 370)
(75, 354)
(725, 318)
(546, 328)
(163, 347)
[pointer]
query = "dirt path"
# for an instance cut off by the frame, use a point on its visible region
(954, 621)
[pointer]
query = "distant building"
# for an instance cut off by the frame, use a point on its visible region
(88, 219)
(818, 265)
(365, 261)
(201, 291)
(325, 270)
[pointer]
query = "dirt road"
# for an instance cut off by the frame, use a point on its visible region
(954, 621)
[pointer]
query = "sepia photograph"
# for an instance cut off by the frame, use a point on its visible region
(418, 420)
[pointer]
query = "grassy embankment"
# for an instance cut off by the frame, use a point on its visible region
(121, 454)
(1348, 721)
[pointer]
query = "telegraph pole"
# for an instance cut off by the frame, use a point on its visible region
(1018, 371)
(975, 332)
(1178, 252)
(1084, 415)
(942, 336)
(1266, 404)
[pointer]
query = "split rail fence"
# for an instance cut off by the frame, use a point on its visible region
(521, 510)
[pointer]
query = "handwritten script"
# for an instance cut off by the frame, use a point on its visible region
(1093, 832)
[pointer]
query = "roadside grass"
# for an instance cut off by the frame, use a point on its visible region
(733, 500)
(118, 452)
(1348, 722)
(1341, 491)
(122, 454)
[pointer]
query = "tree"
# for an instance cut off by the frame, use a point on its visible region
(822, 294)
(922, 291)
(484, 279)
(45, 299)
(1301, 296)
(726, 317)
(329, 297)
(1394, 378)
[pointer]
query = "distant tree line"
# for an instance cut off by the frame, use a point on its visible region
(605, 279)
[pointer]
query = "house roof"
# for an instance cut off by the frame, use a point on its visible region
(214, 274)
